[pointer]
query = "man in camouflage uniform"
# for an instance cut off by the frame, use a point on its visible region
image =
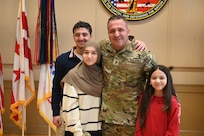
(125, 72)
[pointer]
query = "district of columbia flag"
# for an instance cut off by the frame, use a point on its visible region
(2, 109)
(45, 93)
(23, 91)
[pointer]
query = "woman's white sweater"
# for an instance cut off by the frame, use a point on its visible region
(80, 111)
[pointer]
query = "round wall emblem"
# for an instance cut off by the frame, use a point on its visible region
(134, 9)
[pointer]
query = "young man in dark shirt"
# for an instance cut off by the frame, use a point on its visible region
(81, 33)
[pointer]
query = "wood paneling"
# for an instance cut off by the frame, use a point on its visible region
(192, 109)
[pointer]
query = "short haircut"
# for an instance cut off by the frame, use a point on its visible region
(117, 17)
(82, 24)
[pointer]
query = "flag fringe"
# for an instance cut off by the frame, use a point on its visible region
(50, 123)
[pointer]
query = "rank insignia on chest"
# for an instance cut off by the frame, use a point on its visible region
(116, 61)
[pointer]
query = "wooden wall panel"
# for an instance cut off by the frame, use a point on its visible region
(192, 109)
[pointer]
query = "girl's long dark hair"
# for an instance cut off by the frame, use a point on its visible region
(149, 91)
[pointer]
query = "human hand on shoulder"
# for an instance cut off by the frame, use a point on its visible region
(140, 45)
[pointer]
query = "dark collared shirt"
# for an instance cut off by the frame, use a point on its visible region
(64, 63)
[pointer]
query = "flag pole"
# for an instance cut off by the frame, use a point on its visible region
(2, 108)
(23, 117)
(49, 130)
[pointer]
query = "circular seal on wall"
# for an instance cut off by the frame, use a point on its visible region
(134, 9)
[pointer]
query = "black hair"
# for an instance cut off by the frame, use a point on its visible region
(168, 91)
(82, 24)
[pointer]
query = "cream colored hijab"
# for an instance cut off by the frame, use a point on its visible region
(89, 79)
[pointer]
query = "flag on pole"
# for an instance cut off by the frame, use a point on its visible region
(46, 52)
(44, 93)
(23, 91)
(2, 109)
(46, 42)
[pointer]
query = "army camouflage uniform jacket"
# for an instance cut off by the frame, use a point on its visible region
(124, 76)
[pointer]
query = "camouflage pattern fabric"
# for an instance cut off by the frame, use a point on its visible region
(125, 74)
(117, 130)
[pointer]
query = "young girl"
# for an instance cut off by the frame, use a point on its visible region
(82, 94)
(159, 110)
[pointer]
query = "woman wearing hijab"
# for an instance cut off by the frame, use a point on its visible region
(82, 94)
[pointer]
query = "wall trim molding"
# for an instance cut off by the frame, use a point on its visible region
(180, 88)
(175, 68)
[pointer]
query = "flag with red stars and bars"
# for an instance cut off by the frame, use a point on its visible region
(2, 109)
(138, 6)
(23, 91)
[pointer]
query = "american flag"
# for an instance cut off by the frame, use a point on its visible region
(141, 5)
(122, 6)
